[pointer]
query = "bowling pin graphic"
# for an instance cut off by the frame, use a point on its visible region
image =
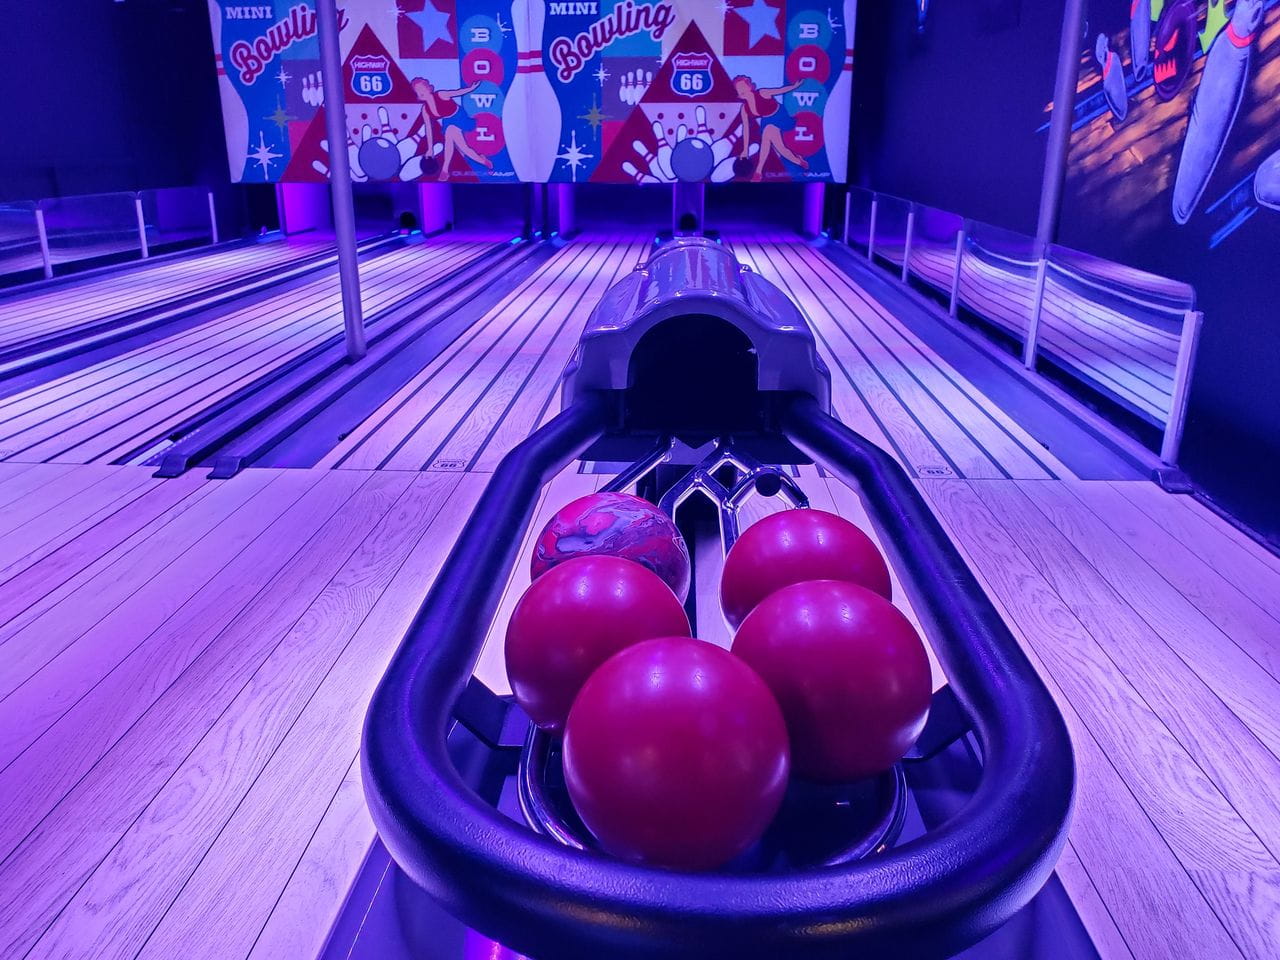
(1140, 38)
(835, 117)
(1113, 86)
(531, 112)
(1266, 182)
(1222, 85)
(235, 119)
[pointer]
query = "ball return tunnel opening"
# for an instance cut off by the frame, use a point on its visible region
(702, 375)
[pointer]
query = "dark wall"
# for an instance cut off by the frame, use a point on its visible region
(107, 96)
(1119, 203)
(949, 116)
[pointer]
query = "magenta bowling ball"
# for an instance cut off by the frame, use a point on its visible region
(793, 546)
(849, 671)
(615, 525)
(675, 754)
(573, 619)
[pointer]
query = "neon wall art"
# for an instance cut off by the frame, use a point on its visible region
(536, 91)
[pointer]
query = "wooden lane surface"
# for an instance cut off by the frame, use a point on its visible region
(65, 307)
(216, 687)
(1171, 828)
(485, 393)
(98, 413)
(889, 386)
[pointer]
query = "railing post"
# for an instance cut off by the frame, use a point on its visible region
(213, 218)
(961, 238)
(848, 203)
(1192, 320)
(42, 234)
(906, 251)
(142, 225)
(1033, 328)
(344, 217)
(871, 233)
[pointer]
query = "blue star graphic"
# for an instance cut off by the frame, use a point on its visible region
(433, 24)
(762, 21)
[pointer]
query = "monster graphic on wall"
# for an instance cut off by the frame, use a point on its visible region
(1177, 118)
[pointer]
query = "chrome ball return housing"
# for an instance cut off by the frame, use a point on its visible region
(693, 361)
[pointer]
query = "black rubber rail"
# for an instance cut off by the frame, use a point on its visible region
(206, 432)
(929, 897)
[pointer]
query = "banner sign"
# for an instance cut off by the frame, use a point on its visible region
(621, 91)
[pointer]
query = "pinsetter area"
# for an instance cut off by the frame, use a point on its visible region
(628, 479)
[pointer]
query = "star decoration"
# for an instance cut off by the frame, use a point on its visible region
(283, 75)
(832, 20)
(573, 156)
(723, 7)
(595, 117)
(280, 118)
(433, 24)
(762, 21)
(263, 155)
(601, 73)
(502, 24)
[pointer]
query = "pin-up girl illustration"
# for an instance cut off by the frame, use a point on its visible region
(437, 106)
(761, 104)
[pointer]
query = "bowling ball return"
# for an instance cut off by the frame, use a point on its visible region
(698, 378)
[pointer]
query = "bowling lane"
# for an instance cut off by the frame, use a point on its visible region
(103, 411)
(43, 313)
(499, 380)
(888, 385)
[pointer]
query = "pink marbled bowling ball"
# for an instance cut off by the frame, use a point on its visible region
(615, 525)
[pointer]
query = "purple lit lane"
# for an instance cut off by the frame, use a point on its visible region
(43, 313)
(103, 411)
(888, 385)
(485, 393)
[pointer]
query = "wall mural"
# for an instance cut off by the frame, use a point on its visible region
(1177, 116)
(618, 91)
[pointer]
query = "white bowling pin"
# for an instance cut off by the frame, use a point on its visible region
(630, 170)
(835, 116)
(1140, 37)
(235, 119)
(701, 130)
(723, 170)
(1266, 182)
(1222, 86)
(531, 113)
(664, 153)
(1113, 84)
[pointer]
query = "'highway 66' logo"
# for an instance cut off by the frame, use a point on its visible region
(691, 74)
(370, 76)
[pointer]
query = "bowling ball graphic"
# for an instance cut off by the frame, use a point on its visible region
(379, 158)
(615, 525)
(691, 160)
(742, 167)
(1175, 47)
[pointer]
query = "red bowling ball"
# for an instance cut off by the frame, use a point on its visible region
(794, 546)
(676, 754)
(576, 617)
(616, 525)
(849, 671)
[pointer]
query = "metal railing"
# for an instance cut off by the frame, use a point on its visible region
(1129, 335)
(51, 232)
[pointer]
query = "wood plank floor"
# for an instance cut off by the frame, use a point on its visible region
(185, 664)
(26, 316)
(500, 378)
(106, 410)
